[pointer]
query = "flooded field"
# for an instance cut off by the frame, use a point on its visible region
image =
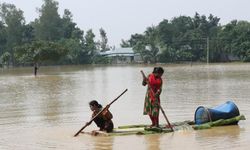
(44, 112)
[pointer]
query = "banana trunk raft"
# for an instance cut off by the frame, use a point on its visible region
(142, 129)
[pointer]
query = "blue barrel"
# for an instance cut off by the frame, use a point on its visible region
(224, 111)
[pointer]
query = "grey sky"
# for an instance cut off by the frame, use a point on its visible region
(121, 18)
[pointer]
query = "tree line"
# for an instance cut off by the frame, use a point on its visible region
(53, 39)
(49, 39)
(198, 38)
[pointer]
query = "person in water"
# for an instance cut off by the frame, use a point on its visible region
(103, 120)
(152, 98)
(35, 68)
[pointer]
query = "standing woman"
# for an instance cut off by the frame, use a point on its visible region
(152, 99)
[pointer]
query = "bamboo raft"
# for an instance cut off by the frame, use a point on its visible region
(142, 129)
(220, 122)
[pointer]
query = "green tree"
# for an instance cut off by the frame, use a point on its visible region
(3, 39)
(73, 41)
(152, 44)
(181, 25)
(138, 42)
(48, 26)
(167, 32)
(28, 34)
(147, 45)
(69, 28)
(193, 44)
(125, 43)
(168, 54)
(104, 40)
(5, 58)
(241, 40)
(14, 24)
(75, 52)
(186, 36)
(135, 38)
(90, 46)
(40, 52)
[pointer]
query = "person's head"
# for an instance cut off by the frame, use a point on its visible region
(158, 71)
(94, 105)
(155, 69)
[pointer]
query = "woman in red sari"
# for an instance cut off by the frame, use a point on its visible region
(152, 99)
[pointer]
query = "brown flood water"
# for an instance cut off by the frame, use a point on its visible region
(44, 112)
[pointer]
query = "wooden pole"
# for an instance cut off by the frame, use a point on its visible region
(165, 116)
(207, 50)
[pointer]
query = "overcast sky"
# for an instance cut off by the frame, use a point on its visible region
(121, 18)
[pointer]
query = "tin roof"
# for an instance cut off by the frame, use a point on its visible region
(119, 52)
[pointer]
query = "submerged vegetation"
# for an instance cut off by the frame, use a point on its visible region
(53, 39)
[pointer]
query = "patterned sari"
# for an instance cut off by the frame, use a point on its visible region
(151, 106)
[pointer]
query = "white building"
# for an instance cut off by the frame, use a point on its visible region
(122, 55)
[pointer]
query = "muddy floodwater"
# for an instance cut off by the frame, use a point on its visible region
(44, 112)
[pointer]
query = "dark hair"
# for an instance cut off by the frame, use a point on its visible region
(158, 70)
(155, 69)
(95, 103)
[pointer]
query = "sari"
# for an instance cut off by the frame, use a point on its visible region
(151, 103)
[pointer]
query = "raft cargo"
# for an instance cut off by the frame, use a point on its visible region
(204, 118)
(224, 114)
(223, 111)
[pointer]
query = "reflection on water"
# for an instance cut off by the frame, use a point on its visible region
(220, 137)
(44, 112)
(152, 142)
(103, 143)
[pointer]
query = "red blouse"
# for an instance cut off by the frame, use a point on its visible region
(154, 84)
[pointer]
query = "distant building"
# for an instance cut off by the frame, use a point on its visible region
(122, 55)
(233, 58)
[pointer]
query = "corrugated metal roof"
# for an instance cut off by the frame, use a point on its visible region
(119, 52)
